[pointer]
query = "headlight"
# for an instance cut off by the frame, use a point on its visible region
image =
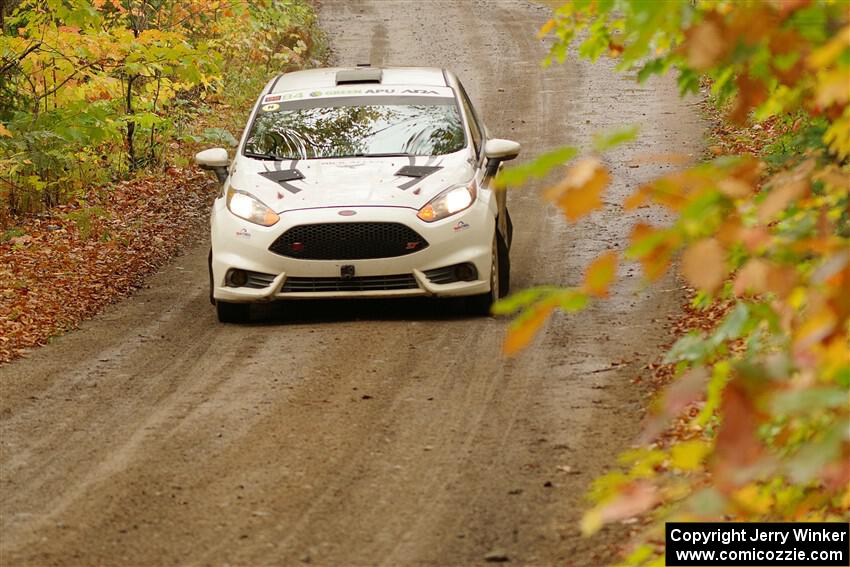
(246, 206)
(452, 200)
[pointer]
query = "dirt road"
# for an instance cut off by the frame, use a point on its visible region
(363, 433)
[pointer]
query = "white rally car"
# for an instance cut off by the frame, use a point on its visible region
(360, 182)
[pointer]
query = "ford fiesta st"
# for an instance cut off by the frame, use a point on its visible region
(360, 182)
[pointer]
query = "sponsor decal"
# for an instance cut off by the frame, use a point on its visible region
(271, 107)
(412, 245)
(243, 233)
(357, 92)
(460, 226)
(282, 97)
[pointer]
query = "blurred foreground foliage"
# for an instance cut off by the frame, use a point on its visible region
(92, 90)
(760, 403)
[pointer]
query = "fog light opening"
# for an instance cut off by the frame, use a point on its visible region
(236, 278)
(466, 272)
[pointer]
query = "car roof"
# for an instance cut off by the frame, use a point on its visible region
(326, 77)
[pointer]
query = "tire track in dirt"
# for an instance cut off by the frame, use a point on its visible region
(355, 433)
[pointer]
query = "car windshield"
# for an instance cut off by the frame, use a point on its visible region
(420, 126)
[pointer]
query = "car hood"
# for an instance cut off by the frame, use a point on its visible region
(349, 182)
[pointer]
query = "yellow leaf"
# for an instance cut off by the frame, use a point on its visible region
(600, 274)
(831, 51)
(815, 329)
(591, 522)
(688, 456)
(524, 328)
(580, 192)
(832, 88)
(5, 132)
(632, 500)
(704, 265)
(753, 499)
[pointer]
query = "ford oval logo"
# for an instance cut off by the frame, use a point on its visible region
(347, 213)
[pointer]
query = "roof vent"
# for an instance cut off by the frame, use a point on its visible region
(358, 75)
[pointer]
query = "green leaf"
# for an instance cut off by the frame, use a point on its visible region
(517, 301)
(219, 136)
(603, 141)
(809, 399)
(690, 348)
(733, 325)
(538, 168)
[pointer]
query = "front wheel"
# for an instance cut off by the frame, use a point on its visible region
(500, 279)
(232, 312)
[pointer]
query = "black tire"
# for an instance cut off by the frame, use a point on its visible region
(500, 280)
(232, 312)
(510, 224)
(504, 263)
(209, 265)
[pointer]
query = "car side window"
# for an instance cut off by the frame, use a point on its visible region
(474, 126)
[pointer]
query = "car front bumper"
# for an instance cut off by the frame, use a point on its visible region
(462, 238)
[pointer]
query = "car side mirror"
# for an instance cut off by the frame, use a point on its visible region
(497, 151)
(215, 160)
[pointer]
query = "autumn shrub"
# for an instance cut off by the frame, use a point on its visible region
(761, 403)
(92, 90)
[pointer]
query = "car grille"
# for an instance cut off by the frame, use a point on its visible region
(363, 283)
(348, 241)
(256, 280)
(442, 275)
(449, 274)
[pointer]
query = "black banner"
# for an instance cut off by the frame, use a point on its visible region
(758, 544)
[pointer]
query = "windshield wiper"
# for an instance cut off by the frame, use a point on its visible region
(388, 154)
(266, 157)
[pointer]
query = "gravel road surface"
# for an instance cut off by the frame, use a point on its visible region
(358, 433)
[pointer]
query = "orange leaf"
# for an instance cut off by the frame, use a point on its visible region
(706, 43)
(738, 445)
(580, 192)
(755, 238)
(704, 265)
(525, 328)
(781, 280)
(546, 28)
(5, 132)
(778, 198)
(600, 274)
(730, 231)
(636, 199)
(751, 93)
(656, 261)
(752, 277)
(734, 188)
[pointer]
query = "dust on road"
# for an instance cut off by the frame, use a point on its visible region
(357, 433)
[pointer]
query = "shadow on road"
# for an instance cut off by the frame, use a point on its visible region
(343, 310)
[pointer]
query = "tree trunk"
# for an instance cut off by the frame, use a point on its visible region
(131, 125)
